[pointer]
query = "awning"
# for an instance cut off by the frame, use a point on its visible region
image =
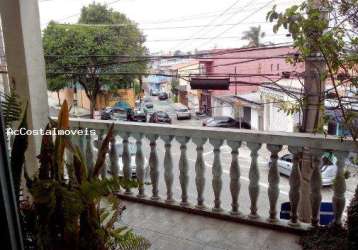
(210, 83)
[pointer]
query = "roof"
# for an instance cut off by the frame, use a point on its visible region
(250, 98)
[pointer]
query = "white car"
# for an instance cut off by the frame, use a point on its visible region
(328, 172)
(182, 111)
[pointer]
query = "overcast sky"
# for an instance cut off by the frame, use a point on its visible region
(218, 23)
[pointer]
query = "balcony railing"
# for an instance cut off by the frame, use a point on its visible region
(234, 138)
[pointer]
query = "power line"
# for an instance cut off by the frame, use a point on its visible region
(232, 15)
(231, 27)
(208, 24)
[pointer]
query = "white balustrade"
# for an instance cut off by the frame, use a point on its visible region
(217, 172)
(273, 180)
(153, 166)
(113, 155)
(235, 184)
(339, 199)
(200, 170)
(254, 177)
(126, 159)
(234, 138)
(89, 154)
(183, 169)
(168, 167)
(295, 181)
(139, 161)
(316, 184)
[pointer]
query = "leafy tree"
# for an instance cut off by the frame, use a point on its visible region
(56, 84)
(253, 35)
(335, 40)
(98, 57)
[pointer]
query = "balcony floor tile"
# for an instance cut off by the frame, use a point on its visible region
(172, 230)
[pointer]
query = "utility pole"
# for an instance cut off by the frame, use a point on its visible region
(314, 97)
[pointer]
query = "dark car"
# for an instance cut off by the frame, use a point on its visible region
(106, 114)
(160, 117)
(139, 116)
(225, 122)
(163, 96)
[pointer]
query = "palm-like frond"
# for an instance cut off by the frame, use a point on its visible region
(11, 107)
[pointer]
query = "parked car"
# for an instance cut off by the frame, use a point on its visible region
(132, 148)
(182, 111)
(154, 92)
(225, 122)
(328, 170)
(148, 108)
(139, 116)
(160, 117)
(120, 114)
(106, 113)
(163, 96)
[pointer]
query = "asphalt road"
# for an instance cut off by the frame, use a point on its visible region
(244, 160)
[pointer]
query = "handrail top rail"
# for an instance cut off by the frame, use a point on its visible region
(317, 141)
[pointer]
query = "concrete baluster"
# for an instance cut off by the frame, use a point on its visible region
(139, 161)
(168, 167)
(254, 177)
(183, 169)
(217, 172)
(113, 156)
(295, 182)
(235, 184)
(273, 180)
(126, 159)
(153, 166)
(200, 171)
(339, 199)
(316, 185)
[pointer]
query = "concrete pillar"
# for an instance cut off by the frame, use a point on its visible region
(26, 65)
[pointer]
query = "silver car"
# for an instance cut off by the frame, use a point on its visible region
(328, 171)
(182, 111)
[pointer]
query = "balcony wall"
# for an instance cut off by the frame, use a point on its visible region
(208, 185)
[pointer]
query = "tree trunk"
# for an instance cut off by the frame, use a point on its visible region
(92, 107)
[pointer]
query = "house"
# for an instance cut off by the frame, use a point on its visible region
(187, 95)
(247, 69)
(263, 108)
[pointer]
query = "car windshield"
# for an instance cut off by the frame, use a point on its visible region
(288, 158)
(162, 114)
(149, 106)
(183, 110)
(222, 119)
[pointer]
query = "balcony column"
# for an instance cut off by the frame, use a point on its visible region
(26, 66)
(217, 172)
(100, 135)
(126, 159)
(113, 156)
(168, 167)
(183, 168)
(316, 185)
(153, 166)
(200, 171)
(295, 182)
(254, 176)
(139, 161)
(339, 199)
(273, 180)
(235, 184)
(89, 154)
